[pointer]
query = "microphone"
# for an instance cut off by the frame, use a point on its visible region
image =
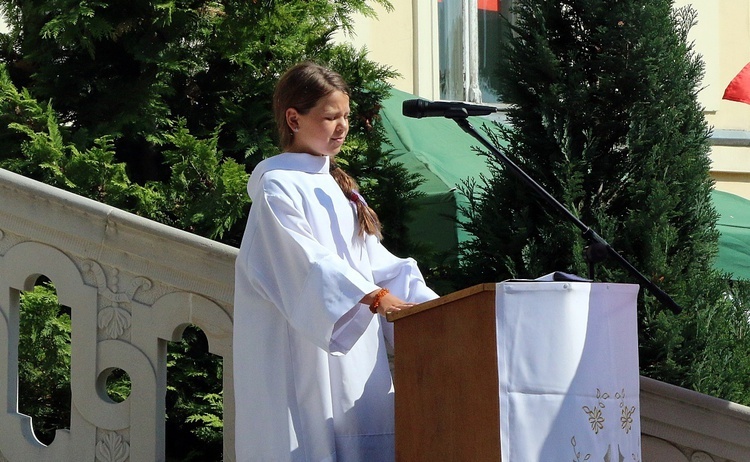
(418, 108)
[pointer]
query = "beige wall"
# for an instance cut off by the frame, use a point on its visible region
(731, 164)
(390, 40)
(733, 33)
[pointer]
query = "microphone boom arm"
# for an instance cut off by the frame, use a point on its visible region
(461, 118)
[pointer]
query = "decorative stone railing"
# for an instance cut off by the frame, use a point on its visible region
(679, 425)
(133, 285)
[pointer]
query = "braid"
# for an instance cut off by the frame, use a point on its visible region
(368, 219)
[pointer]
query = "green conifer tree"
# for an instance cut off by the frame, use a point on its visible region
(604, 115)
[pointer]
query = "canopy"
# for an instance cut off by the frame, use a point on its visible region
(439, 150)
(442, 153)
(734, 241)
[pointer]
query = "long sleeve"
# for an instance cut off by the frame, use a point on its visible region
(400, 275)
(310, 284)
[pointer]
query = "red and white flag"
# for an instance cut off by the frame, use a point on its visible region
(739, 88)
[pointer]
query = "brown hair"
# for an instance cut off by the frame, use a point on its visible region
(301, 87)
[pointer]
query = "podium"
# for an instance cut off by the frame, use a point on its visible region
(519, 371)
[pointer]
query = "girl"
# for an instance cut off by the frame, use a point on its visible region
(312, 380)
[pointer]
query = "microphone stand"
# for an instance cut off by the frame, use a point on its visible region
(598, 249)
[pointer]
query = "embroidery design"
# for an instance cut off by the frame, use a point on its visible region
(597, 416)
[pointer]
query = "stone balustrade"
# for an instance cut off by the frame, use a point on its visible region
(133, 285)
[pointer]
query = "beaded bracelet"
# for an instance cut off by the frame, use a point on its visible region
(376, 303)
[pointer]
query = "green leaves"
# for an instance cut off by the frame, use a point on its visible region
(77, 24)
(44, 361)
(205, 194)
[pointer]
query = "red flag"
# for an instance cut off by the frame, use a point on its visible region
(488, 5)
(739, 88)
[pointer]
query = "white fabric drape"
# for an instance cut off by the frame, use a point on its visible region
(568, 367)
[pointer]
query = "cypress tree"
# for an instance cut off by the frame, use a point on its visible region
(604, 115)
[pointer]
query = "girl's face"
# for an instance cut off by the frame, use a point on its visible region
(322, 130)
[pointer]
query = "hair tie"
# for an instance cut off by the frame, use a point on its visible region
(356, 197)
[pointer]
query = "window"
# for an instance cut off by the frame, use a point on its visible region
(469, 34)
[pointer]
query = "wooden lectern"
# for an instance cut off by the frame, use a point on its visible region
(559, 357)
(446, 378)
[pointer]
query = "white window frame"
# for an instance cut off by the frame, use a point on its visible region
(427, 52)
(468, 72)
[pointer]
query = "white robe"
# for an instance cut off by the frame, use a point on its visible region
(311, 373)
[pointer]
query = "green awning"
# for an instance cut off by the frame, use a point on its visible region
(444, 155)
(734, 226)
(439, 150)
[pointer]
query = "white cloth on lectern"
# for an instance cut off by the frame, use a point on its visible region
(568, 367)
(311, 373)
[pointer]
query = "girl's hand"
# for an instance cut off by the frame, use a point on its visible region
(388, 302)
